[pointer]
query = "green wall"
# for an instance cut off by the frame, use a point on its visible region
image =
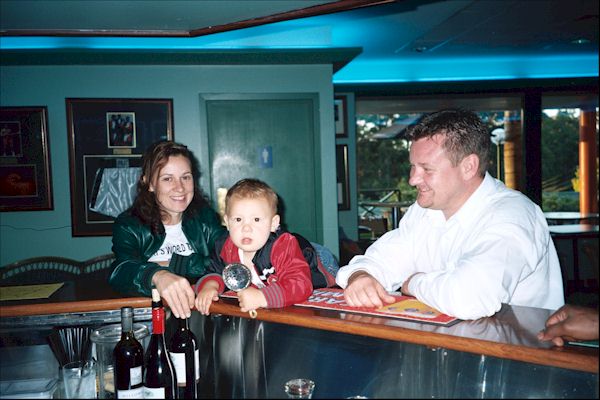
(38, 233)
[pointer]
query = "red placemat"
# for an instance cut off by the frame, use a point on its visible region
(405, 307)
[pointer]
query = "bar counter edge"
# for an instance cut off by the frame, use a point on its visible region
(582, 359)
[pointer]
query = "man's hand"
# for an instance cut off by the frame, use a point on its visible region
(251, 298)
(364, 291)
(570, 323)
(176, 291)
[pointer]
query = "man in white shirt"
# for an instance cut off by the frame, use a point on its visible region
(469, 243)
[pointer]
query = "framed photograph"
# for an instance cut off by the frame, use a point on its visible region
(340, 116)
(25, 178)
(120, 130)
(107, 138)
(343, 186)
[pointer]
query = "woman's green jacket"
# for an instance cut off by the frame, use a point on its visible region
(134, 244)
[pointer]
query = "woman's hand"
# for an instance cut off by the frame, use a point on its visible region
(176, 291)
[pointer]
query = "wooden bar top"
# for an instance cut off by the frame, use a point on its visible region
(510, 334)
(73, 297)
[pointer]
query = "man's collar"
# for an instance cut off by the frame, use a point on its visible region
(475, 202)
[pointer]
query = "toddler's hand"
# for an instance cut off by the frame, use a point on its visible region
(205, 298)
(251, 298)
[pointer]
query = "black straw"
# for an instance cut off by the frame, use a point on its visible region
(71, 343)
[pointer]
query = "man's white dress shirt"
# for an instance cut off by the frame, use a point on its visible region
(496, 249)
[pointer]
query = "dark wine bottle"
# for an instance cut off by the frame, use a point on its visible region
(160, 381)
(128, 360)
(185, 355)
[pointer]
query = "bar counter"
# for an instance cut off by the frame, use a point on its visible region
(510, 334)
(346, 354)
(73, 297)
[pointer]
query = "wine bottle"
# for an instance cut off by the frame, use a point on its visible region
(160, 381)
(185, 355)
(128, 360)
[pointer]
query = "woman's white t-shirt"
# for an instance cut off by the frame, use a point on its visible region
(175, 243)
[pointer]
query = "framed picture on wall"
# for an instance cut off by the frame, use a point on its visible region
(343, 185)
(340, 116)
(107, 138)
(120, 130)
(25, 178)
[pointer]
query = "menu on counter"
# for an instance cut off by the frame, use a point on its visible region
(29, 292)
(405, 307)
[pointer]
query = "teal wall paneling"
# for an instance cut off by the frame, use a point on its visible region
(38, 233)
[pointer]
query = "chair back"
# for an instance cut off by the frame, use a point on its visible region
(98, 268)
(40, 270)
(52, 269)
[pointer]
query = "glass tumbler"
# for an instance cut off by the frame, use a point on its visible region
(299, 388)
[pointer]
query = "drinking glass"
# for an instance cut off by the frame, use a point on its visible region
(299, 388)
(79, 379)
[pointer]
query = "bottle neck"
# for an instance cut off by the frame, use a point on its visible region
(158, 321)
(182, 324)
(126, 326)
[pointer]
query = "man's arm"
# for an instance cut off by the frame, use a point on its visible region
(405, 290)
(388, 261)
(386, 264)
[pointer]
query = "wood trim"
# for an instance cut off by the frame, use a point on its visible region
(321, 9)
(74, 306)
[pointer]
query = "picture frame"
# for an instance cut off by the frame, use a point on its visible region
(25, 173)
(107, 138)
(120, 129)
(343, 181)
(340, 116)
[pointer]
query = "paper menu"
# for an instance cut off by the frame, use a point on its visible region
(29, 292)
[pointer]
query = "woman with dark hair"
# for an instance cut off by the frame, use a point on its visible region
(166, 237)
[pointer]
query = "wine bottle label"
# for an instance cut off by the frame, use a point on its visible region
(130, 394)
(135, 375)
(197, 363)
(178, 360)
(154, 393)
